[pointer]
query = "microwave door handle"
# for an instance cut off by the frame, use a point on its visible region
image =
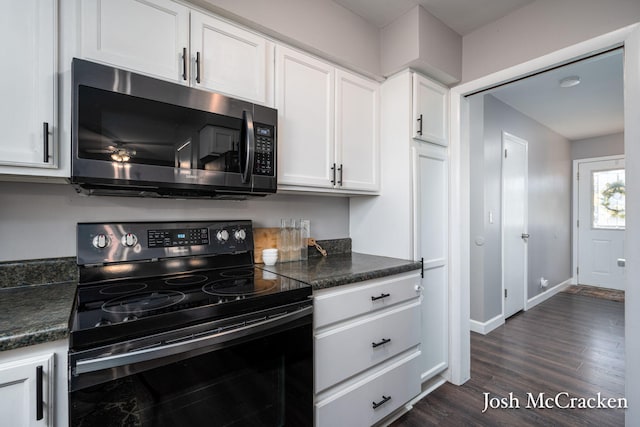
(247, 123)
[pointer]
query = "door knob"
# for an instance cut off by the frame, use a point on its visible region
(525, 235)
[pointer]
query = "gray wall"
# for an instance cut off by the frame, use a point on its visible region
(539, 28)
(601, 146)
(549, 248)
(419, 40)
(39, 220)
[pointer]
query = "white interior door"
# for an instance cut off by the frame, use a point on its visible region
(514, 223)
(601, 223)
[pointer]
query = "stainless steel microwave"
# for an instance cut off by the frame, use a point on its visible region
(137, 135)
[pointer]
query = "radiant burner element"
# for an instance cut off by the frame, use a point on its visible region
(189, 279)
(123, 289)
(140, 303)
(239, 287)
(238, 273)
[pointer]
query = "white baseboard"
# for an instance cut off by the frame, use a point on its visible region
(532, 302)
(485, 327)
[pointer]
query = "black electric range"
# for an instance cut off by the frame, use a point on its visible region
(173, 323)
(138, 280)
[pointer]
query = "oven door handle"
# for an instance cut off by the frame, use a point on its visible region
(83, 366)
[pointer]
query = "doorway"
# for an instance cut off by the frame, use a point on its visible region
(460, 179)
(514, 223)
(600, 225)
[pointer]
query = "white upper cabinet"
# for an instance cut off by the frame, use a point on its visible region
(165, 39)
(305, 103)
(328, 126)
(229, 59)
(357, 143)
(148, 36)
(430, 111)
(28, 85)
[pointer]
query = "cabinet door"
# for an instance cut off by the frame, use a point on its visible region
(305, 103)
(27, 83)
(22, 404)
(148, 36)
(430, 111)
(229, 59)
(357, 143)
(431, 216)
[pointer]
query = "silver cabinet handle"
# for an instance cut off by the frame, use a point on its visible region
(622, 262)
(525, 235)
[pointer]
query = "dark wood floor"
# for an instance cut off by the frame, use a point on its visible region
(569, 343)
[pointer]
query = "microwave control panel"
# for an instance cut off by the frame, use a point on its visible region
(264, 163)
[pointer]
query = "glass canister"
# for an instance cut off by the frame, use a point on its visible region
(287, 241)
(304, 233)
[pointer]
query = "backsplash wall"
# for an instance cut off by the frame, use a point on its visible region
(39, 220)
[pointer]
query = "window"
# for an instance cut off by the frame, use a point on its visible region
(608, 199)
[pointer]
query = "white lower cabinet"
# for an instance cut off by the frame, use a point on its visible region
(33, 386)
(374, 398)
(367, 360)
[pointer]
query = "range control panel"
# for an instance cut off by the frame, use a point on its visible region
(101, 243)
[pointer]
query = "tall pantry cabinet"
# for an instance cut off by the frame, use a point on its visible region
(411, 213)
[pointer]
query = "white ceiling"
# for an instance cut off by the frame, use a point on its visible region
(593, 108)
(463, 16)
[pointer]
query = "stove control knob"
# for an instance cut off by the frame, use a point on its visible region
(101, 241)
(240, 234)
(222, 235)
(129, 240)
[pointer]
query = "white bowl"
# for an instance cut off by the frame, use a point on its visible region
(269, 256)
(269, 259)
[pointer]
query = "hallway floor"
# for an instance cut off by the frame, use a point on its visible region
(571, 344)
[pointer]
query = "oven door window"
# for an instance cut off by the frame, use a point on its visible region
(263, 382)
(120, 128)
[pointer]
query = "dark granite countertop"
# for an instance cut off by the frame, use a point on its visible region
(35, 314)
(36, 298)
(341, 269)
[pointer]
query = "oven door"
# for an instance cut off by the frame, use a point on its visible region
(257, 373)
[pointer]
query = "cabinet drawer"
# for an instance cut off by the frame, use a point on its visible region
(350, 349)
(334, 305)
(354, 406)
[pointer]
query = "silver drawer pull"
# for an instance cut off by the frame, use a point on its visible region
(380, 297)
(383, 342)
(384, 400)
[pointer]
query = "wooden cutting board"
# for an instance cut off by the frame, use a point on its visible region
(264, 238)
